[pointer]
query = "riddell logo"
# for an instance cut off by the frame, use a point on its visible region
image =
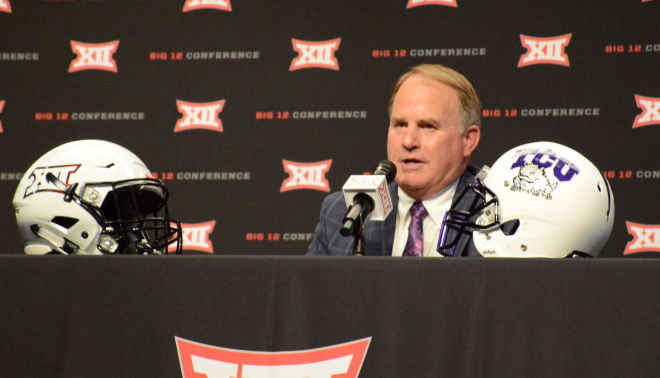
(315, 54)
(199, 115)
(196, 236)
(192, 5)
(337, 361)
(94, 56)
(2, 105)
(5, 6)
(646, 238)
(544, 50)
(306, 175)
(650, 111)
(417, 3)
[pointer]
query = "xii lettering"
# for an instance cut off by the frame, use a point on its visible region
(306, 176)
(646, 238)
(321, 369)
(5, 6)
(37, 179)
(192, 5)
(196, 236)
(315, 54)
(94, 56)
(650, 115)
(199, 115)
(544, 50)
(417, 3)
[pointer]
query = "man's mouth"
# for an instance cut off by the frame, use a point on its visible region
(409, 162)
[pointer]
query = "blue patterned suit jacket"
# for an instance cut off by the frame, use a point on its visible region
(378, 236)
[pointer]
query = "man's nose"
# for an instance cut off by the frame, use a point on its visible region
(410, 138)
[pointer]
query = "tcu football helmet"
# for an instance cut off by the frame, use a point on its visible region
(93, 197)
(540, 199)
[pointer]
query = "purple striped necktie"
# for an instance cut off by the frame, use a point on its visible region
(415, 244)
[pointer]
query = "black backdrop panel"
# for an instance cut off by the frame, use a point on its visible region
(602, 99)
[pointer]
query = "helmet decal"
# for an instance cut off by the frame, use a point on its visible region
(541, 170)
(532, 179)
(38, 182)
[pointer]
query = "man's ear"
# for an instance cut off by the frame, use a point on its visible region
(471, 137)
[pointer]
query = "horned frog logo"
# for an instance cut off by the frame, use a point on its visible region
(532, 179)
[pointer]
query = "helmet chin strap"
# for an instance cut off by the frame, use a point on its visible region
(140, 248)
(136, 244)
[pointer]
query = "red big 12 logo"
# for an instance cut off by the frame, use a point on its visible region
(650, 107)
(646, 238)
(306, 175)
(199, 115)
(196, 237)
(94, 56)
(192, 5)
(2, 106)
(417, 3)
(337, 361)
(5, 6)
(548, 50)
(315, 54)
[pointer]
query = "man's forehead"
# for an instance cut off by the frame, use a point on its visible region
(422, 89)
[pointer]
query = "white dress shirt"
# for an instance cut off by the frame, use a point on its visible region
(437, 206)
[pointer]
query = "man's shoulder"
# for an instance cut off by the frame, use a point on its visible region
(467, 178)
(470, 171)
(333, 200)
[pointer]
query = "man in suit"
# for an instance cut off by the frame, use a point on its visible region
(435, 126)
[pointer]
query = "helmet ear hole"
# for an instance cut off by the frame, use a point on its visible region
(65, 222)
(510, 227)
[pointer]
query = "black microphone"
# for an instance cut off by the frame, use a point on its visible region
(368, 197)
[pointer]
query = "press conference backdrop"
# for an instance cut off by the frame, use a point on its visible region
(252, 111)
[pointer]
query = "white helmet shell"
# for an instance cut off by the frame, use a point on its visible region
(62, 202)
(551, 202)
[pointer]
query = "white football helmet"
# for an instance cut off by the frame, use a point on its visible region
(539, 199)
(93, 197)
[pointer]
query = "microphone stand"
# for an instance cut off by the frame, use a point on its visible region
(355, 229)
(358, 244)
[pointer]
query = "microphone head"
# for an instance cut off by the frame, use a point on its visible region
(387, 168)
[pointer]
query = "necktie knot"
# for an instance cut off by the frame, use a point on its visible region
(415, 244)
(418, 211)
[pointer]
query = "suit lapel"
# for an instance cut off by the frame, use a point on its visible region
(464, 205)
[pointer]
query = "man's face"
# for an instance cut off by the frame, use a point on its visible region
(424, 139)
